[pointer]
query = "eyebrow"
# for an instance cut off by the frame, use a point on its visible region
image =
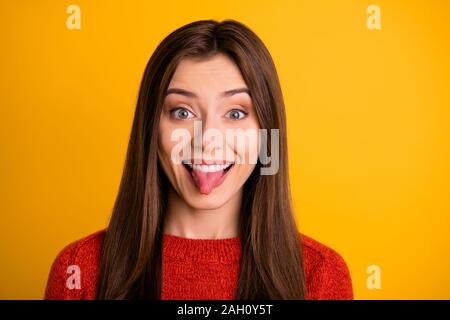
(190, 94)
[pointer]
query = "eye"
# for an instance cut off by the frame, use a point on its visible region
(236, 114)
(181, 113)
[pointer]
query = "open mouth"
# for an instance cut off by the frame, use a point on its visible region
(208, 168)
(206, 177)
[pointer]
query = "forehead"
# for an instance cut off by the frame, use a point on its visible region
(217, 72)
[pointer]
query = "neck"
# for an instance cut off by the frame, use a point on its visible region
(183, 220)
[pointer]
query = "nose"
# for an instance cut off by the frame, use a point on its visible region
(209, 135)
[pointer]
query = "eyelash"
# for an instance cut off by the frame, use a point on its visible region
(173, 110)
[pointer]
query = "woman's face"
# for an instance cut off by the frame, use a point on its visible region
(208, 132)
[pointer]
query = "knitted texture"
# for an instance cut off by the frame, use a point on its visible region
(195, 269)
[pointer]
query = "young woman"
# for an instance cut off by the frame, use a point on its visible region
(198, 224)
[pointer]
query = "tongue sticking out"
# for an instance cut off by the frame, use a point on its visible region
(207, 181)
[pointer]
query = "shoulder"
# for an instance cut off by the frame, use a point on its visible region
(73, 273)
(326, 272)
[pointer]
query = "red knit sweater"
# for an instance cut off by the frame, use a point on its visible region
(196, 269)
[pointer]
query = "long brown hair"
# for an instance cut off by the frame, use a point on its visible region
(131, 259)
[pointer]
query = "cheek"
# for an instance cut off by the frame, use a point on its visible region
(246, 145)
(173, 141)
(166, 145)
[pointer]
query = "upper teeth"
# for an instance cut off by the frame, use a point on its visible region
(208, 168)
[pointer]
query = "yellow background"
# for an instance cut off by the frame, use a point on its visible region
(368, 120)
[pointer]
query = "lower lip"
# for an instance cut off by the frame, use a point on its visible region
(221, 180)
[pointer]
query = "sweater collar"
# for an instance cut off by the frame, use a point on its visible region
(212, 250)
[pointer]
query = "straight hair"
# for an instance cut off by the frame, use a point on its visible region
(272, 260)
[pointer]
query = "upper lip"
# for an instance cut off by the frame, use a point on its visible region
(207, 162)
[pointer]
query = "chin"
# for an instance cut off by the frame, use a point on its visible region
(214, 200)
